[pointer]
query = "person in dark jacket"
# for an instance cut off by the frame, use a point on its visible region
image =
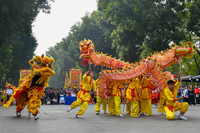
(46, 95)
(52, 95)
(58, 96)
(191, 95)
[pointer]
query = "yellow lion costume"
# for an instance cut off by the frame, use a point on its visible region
(32, 89)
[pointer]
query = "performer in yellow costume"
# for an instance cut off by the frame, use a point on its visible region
(83, 96)
(145, 98)
(161, 103)
(172, 102)
(114, 102)
(31, 90)
(132, 98)
(99, 100)
(4, 96)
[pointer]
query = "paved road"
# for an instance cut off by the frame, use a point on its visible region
(55, 119)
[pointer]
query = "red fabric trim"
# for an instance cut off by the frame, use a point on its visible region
(172, 107)
(84, 91)
(18, 110)
(35, 113)
(133, 93)
(172, 93)
(83, 100)
(90, 80)
(17, 94)
(176, 105)
(174, 100)
(130, 99)
(39, 88)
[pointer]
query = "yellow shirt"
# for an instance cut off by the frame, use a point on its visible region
(86, 87)
(171, 95)
(145, 94)
(116, 91)
(132, 90)
(96, 89)
(162, 96)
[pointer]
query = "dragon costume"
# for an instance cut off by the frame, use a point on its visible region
(152, 66)
(32, 89)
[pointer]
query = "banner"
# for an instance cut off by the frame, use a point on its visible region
(23, 74)
(75, 77)
(67, 82)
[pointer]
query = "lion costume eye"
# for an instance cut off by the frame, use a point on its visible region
(36, 62)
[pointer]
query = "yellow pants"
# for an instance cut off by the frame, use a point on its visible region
(79, 102)
(111, 105)
(161, 106)
(32, 99)
(146, 106)
(170, 112)
(98, 104)
(134, 104)
(114, 107)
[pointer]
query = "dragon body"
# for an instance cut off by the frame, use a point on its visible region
(152, 66)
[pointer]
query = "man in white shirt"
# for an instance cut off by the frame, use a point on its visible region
(9, 91)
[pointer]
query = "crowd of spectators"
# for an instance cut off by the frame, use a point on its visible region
(191, 94)
(52, 95)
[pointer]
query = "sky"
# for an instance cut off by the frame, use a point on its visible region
(49, 29)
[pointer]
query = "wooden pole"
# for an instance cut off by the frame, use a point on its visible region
(180, 76)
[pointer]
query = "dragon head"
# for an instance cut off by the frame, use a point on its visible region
(42, 67)
(186, 50)
(86, 48)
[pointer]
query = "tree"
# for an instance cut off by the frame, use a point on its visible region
(66, 53)
(16, 19)
(154, 23)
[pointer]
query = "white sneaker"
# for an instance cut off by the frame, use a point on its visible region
(119, 115)
(141, 114)
(79, 117)
(182, 117)
(97, 113)
(29, 115)
(36, 117)
(18, 114)
(69, 109)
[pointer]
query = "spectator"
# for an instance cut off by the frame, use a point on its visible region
(43, 100)
(65, 93)
(196, 92)
(52, 95)
(9, 91)
(69, 92)
(185, 94)
(58, 96)
(191, 95)
(46, 95)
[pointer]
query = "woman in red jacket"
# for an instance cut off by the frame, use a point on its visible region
(196, 92)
